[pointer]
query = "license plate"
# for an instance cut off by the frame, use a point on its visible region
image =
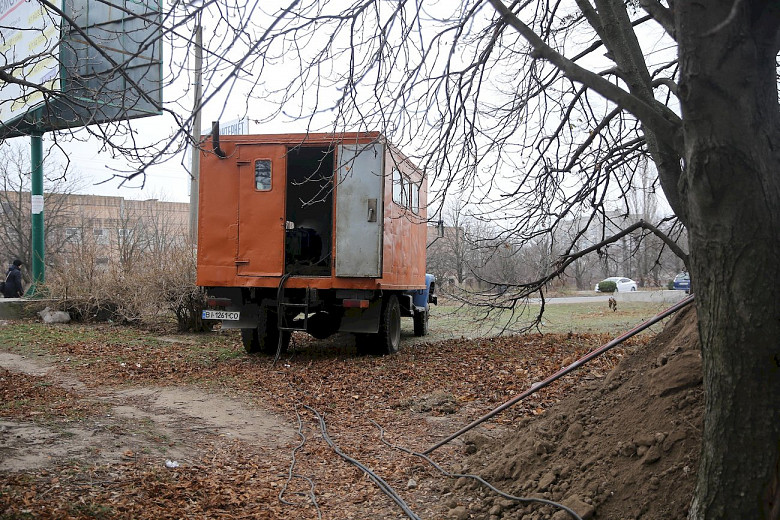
(220, 315)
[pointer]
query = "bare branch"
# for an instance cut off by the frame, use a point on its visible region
(660, 14)
(663, 121)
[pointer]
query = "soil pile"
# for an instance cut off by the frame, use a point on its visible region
(623, 447)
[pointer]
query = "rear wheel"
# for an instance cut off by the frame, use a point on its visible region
(421, 322)
(249, 339)
(265, 338)
(390, 326)
(388, 339)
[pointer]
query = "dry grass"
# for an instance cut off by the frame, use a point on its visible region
(152, 289)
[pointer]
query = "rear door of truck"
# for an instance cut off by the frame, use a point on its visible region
(360, 210)
(261, 200)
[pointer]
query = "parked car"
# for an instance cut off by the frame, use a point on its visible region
(623, 284)
(682, 282)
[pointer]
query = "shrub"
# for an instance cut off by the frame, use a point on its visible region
(102, 292)
(607, 286)
(150, 290)
(182, 297)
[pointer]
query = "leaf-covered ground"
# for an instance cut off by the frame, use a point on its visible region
(90, 399)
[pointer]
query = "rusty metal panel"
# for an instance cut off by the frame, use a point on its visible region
(404, 247)
(359, 210)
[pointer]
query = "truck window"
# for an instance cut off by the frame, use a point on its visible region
(263, 175)
(398, 187)
(408, 188)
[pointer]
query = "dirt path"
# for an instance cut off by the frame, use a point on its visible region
(112, 423)
(168, 422)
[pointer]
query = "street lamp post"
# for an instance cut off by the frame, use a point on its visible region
(195, 173)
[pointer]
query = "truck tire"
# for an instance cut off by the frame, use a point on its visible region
(249, 339)
(265, 338)
(421, 322)
(390, 326)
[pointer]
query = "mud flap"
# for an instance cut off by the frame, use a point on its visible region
(362, 321)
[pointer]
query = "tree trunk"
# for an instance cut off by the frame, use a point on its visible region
(731, 193)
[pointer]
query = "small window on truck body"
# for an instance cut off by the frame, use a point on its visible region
(263, 174)
(398, 187)
(408, 188)
(415, 197)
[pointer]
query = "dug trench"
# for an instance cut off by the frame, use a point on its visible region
(228, 436)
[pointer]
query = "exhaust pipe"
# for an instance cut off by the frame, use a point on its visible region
(215, 140)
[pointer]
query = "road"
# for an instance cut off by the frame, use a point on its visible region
(636, 296)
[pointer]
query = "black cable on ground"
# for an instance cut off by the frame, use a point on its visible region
(291, 473)
(384, 486)
(565, 370)
(279, 317)
(525, 500)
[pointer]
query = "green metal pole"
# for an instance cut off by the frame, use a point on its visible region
(38, 249)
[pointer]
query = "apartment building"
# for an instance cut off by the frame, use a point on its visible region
(111, 227)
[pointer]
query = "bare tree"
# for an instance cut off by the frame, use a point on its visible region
(451, 256)
(504, 90)
(15, 231)
(130, 240)
(585, 270)
(469, 251)
(539, 112)
(646, 248)
(83, 258)
(145, 229)
(160, 230)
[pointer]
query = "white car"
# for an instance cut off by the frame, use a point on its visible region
(623, 284)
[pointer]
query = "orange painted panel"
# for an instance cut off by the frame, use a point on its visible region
(261, 203)
(217, 218)
(404, 228)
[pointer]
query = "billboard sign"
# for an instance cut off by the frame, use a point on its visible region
(108, 65)
(234, 127)
(28, 50)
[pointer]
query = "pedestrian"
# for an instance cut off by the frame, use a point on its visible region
(13, 287)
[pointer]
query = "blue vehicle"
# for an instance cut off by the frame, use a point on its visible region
(419, 309)
(682, 282)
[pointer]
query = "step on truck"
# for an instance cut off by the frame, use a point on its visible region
(321, 233)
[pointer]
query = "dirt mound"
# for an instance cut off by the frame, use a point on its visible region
(626, 446)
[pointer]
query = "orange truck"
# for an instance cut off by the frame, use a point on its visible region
(321, 233)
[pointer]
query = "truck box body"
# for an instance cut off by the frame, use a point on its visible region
(244, 224)
(339, 216)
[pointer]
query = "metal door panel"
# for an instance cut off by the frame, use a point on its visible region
(359, 210)
(261, 206)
